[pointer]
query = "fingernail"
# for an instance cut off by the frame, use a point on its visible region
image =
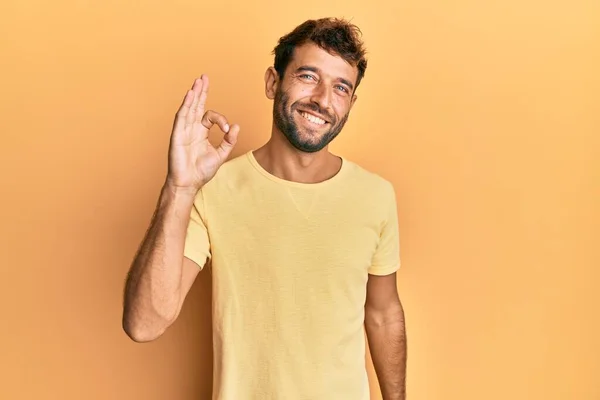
(226, 127)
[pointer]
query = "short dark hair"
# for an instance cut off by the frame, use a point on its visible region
(334, 35)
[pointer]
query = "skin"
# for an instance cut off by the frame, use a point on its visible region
(160, 277)
(318, 83)
(386, 335)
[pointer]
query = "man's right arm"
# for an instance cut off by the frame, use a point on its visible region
(160, 276)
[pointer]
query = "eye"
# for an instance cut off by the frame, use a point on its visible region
(342, 88)
(307, 76)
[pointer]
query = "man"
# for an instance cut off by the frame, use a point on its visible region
(303, 244)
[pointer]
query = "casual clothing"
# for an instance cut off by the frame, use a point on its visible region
(290, 263)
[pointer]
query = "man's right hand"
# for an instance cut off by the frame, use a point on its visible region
(193, 160)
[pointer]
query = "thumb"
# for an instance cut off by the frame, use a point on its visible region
(228, 142)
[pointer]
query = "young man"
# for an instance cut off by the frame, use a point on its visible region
(303, 244)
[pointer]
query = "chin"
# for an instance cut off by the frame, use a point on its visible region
(307, 146)
(302, 137)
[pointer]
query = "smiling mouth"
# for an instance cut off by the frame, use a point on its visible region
(312, 118)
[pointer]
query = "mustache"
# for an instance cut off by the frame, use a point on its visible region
(316, 109)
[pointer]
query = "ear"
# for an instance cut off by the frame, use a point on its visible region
(354, 97)
(271, 82)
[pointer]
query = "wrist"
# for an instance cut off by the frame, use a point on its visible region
(178, 194)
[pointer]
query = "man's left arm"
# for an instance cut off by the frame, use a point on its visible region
(386, 335)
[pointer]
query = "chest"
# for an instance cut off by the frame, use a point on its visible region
(321, 236)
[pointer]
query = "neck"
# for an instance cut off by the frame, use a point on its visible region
(281, 159)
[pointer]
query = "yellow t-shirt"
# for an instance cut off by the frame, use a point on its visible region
(290, 263)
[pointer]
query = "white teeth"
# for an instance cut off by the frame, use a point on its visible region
(312, 118)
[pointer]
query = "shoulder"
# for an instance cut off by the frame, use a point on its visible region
(234, 165)
(366, 180)
(232, 173)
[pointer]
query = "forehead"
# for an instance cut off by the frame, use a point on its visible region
(332, 65)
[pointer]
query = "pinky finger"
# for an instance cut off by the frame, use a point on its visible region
(191, 113)
(186, 104)
(184, 109)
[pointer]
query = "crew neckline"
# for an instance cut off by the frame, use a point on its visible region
(338, 176)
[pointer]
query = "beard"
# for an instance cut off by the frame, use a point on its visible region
(311, 141)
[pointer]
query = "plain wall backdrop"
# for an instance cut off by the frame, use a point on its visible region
(484, 115)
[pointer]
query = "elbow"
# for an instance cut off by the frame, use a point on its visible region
(140, 335)
(378, 318)
(141, 332)
(144, 323)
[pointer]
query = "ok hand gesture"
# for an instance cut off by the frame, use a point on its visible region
(193, 161)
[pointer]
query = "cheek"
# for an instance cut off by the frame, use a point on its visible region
(301, 92)
(341, 106)
(295, 93)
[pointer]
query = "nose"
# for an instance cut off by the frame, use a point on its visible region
(322, 96)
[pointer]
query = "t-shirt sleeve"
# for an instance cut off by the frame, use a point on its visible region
(197, 243)
(386, 259)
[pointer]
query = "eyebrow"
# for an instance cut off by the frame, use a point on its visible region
(318, 71)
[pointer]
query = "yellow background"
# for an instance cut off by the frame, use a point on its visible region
(484, 114)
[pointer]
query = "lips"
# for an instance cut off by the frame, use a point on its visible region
(313, 117)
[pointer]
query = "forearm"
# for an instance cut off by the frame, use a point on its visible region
(153, 288)
(386, 335)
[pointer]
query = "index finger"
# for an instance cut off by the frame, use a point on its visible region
(211, 117)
